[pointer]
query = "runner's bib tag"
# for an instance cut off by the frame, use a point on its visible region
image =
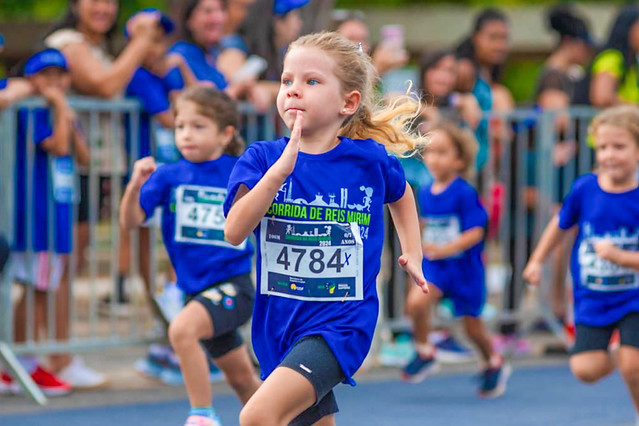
(63, 173)
(199, 216)
(316, 261)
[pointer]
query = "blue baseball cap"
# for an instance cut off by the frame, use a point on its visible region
(165, 22)
(45, 59)
(282, 7)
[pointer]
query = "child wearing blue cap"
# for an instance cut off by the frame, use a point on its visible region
(43, 261)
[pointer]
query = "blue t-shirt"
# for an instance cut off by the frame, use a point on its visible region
(446, 215)
(319, 248)
(153, 93)
(191, 196)
(604, 292)
(52, 190)
(234, 41)
(202, 65)
(3, 83)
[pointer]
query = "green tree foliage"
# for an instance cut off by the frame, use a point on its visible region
(48, 10)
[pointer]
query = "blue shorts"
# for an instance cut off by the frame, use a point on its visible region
(468, 299)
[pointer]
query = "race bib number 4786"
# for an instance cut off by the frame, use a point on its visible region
(318, 261)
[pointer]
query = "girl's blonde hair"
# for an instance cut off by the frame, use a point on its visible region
(220, 108)
(390, 125)
(465, 144)
(623, 116)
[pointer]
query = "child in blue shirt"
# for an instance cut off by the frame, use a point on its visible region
(316, 204)
(453, 227)
(604, 206)
(42, 262)
(214, 274)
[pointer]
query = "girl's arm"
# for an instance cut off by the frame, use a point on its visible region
(131, 213)
(466, 240)
(80, 146)
(552, 235)
(404, 214)
(626, 258)
(17, 89)
(250, 206)
(603, 90)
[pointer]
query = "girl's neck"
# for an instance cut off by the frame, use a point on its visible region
(311, 145)
(440, 184)
(607, 184)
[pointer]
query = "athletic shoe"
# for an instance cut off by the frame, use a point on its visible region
(48, 383)
(202, 421)
(81, 377)
(397, 353)
(449, 350)
(419, 368)
(493, 381)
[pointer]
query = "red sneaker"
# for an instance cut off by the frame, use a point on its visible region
(49, 384)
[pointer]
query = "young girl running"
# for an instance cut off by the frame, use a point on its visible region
(316, 205)
(453, 226)
(214, 274)
(605, 207)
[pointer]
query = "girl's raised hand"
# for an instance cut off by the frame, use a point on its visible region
(532, 272)
(414, 269)
(287, 160)
(142, 169)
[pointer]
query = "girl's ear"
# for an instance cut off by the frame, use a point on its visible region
(227, 135)
(351, 103)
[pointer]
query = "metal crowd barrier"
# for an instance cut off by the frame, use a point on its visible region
(89, 326)
(522, 187)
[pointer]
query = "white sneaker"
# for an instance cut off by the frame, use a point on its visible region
(78, 375)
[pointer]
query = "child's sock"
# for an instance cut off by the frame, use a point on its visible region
(425, 350)
(496, 360)
(207, 412)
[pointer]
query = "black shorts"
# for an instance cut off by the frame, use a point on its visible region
(597, 338)
(313, 359)
(230, 305)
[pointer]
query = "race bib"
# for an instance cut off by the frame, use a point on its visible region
(63, 174)
(602, 275)
(316, 261)
(441, 229)
(199, 216)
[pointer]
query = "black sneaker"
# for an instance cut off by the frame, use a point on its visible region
(419, 368)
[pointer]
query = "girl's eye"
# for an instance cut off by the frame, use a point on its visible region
(286, 82)
(313, 82)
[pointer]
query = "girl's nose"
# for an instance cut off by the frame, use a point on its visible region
(293, 91)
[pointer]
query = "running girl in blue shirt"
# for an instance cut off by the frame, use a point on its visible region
(214, 274)
(316, 203)
(453, 228)
(605, 261)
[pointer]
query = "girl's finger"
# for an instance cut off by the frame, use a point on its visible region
(296, 133)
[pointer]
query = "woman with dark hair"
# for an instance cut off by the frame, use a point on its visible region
(438, 76)
(481, 58)
(558, 79)
(615, 79)
(85, 37)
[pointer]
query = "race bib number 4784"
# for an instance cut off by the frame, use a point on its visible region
(318, 261)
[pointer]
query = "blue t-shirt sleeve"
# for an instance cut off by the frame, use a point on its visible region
(3, 83)
(173, 80)
(248, 171)
(150, 91)
(473, 214)
(154, 192)
(571, 206)
(395, 180)
(41, 126)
